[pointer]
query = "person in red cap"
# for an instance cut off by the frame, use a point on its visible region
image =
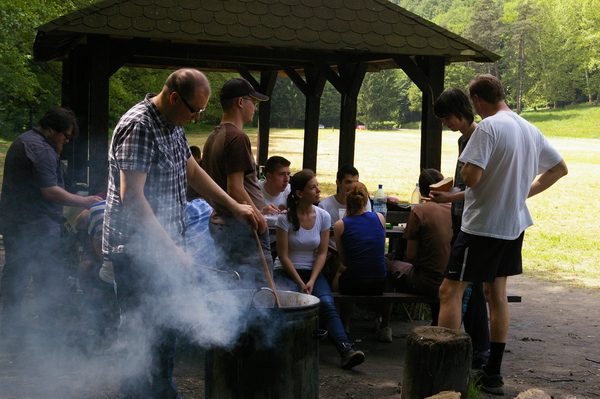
(229, 161)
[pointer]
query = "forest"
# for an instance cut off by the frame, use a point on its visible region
(550, 58)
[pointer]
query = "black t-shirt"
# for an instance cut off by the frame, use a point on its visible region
(31, 164)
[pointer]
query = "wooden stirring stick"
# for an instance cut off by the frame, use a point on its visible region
(266, 268)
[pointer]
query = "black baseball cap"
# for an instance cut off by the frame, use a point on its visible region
(239, 87)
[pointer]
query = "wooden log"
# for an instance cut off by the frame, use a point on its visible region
(437, 359)
(445, 395)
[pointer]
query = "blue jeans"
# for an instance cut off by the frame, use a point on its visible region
(145, 334)
(327, 311)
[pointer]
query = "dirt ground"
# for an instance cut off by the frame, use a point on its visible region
(553, 345)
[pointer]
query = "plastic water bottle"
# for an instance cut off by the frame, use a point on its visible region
(415, 197)
(380, 201)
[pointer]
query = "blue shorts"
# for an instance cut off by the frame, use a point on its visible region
(482, 259)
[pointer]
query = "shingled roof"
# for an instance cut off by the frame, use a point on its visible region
(261, 33)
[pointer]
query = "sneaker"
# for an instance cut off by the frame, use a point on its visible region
(384, 334)
(480, 359)
(350, 355)
(493, 384)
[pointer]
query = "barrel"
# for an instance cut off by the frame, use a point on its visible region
(277, 353)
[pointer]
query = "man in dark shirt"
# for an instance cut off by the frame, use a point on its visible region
(229, 161)
(31, 207)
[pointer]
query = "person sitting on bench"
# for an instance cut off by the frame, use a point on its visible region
(428, 233)
(360, 241)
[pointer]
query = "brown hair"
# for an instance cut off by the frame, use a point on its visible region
(453, 102)
(427, 177)
(61, 120)
(487, 87)
(357, 198)
(297, 183)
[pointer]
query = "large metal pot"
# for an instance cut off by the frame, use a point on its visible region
(277, 354)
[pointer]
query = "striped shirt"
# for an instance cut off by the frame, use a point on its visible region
(145, 141)
(96, 220)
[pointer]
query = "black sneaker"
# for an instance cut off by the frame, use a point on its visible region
(493, 384)
(350, 355)
(480, 359)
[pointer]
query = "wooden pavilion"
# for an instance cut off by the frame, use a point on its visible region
(310, 41)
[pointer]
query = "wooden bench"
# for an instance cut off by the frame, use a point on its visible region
(399, 297)
(402, 298)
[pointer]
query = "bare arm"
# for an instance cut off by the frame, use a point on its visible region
(446, 196)
(60, 196)
(319, 261)
(338, 230)
(235, 188)
(141, 216)
(471, 174)
(205, 186)
(548, 178)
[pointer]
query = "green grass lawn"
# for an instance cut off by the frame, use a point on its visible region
(562, 246)
(577, 121)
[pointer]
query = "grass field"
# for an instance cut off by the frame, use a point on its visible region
(563, 245)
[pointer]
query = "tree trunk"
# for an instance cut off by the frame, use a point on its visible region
(437, 359)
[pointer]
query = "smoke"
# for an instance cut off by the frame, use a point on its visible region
(71, 360)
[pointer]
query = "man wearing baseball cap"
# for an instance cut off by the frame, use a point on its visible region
(228, 159)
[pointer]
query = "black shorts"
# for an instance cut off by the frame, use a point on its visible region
(482, 259)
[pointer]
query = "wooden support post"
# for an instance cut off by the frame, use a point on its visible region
(437, 359)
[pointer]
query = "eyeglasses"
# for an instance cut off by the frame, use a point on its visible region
(255, 102)
(68, 136)
(194, 113)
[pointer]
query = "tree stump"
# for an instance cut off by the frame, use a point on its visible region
(437, 359)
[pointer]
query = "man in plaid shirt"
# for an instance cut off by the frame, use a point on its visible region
(150, 165)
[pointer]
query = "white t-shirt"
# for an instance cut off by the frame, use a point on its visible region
(280, 199)
(333, 207)
(511, 152)
(303, 244)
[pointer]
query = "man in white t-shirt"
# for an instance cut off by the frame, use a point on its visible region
(275, 191)
(276, 188)
(335, 204)
(503, 157)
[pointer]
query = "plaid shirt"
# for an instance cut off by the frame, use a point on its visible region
(145, 141)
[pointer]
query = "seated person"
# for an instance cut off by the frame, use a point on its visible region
(275, 191)
(335, 205)
(360, 239)
(302, 237)
(276, 187)
(428, 233)
(199, 243)
(96, 276)
(196, 153)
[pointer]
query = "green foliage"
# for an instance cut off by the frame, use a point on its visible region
(288, 102)
(27, 88)
(550, 51)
